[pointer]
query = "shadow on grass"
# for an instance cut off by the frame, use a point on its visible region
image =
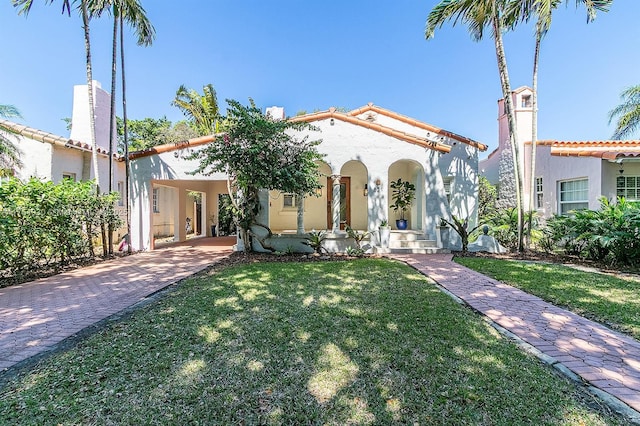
(365, 342)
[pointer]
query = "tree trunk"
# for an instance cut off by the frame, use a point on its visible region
(126, 137)
(534, 135)
(112, 115)
(511, 120)
(92, 114)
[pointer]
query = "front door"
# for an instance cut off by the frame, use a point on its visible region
(345, 202)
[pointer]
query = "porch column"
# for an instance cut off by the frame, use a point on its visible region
(180, 216)
(300, 205)
(335, 205)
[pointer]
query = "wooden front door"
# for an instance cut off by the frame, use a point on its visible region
(345, 202)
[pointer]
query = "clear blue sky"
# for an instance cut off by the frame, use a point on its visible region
(314, 55)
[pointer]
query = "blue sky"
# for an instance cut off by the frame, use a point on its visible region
(314, 55)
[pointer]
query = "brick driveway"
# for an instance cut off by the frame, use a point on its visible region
(36, 316)
(605, 359)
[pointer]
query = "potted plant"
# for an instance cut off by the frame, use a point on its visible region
(402, 195)
(384, 232)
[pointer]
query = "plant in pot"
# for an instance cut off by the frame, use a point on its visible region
(384, 231)
(213, 225)
(402, 194)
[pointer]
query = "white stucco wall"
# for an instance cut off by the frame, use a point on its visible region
(36, 159)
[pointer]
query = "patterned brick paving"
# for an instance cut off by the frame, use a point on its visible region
(37, 315)
(608, 360)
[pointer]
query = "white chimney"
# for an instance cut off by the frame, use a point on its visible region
(80, 125)
(275, 112)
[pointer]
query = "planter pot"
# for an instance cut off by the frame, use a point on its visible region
(444, 236)
(385, 235)
(213, 230)
(401, 224)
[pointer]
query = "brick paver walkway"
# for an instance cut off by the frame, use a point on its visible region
(37, 315)
(607, 360)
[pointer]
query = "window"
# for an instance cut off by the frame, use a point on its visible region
(156, 207)
(447, 187)
(539, 193)
(289, 201)
(67, 175)
(526, 101)
(628, 187)
(574, 195)
(121, 192)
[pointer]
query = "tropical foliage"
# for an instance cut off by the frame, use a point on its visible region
(256, 153)
(9, 152)
(148, 132)
(402, 194)
(627, 114)
(45, 225)
(461, 226)
(611, 234)
(201, 110)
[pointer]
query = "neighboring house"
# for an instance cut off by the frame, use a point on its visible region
(570, 175)
(52, 157)
(365, 149)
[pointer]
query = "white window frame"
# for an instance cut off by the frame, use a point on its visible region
(563, 202)
(526, 101)
(447, 183)
(121, 193)
(289, 201)
(155, 200)
(539, 193)
(623, 190)
(69, 175)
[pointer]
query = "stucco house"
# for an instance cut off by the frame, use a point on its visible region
(365, 149)
(570, 175)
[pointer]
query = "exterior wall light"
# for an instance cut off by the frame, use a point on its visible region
(366, 190)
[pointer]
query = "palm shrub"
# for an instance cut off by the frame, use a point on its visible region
(611, 234)
(504, 225)
(462, 229)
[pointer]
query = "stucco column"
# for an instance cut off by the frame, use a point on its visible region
(335, 205)
(300, 205)
(180, 216)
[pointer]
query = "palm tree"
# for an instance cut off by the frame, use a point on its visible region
(201, 110)
(134, 14)
(25, 8)
(478, 15)
(9, 153)
(523, 10)
(627, 113)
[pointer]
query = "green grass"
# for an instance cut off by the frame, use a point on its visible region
(356, 342)
(612, 301)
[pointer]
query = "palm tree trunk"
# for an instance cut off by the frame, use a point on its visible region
(92, 115)
(112, 115)
(534, 134)
(511, 120)
(126, 138)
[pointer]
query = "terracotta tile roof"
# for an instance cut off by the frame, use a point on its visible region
(350, 118)
(607, 150)
(420, 124)
(159, 149)
(50, 138)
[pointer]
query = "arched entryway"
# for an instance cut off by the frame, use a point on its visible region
(353, 196)
(410, 171)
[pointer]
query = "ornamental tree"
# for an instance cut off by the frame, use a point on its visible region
(257, 152)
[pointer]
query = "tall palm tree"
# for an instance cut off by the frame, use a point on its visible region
(9, 153)
(627, 113)
(479, 15)
(134, 14)
(201, 110)
(24, 9)
(542, 10)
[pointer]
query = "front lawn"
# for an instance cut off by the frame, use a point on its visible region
(355, 342)
(606, 299)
